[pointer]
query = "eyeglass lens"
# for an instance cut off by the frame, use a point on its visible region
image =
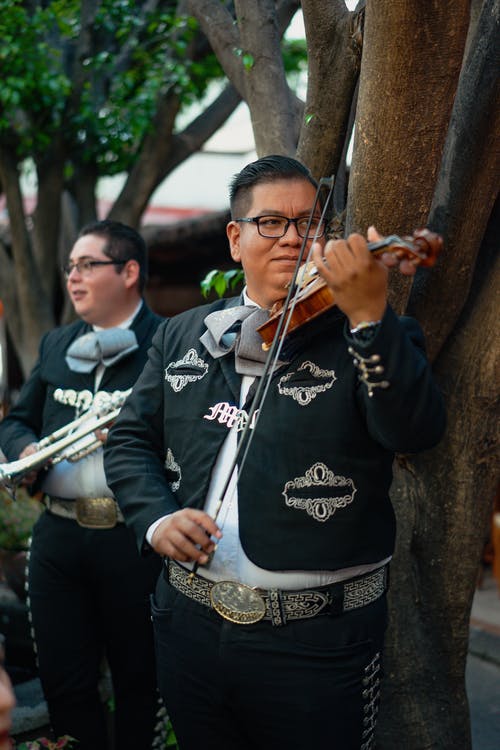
(277, 226)
(85, 266)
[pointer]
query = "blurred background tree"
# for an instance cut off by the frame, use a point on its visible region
(92, 89)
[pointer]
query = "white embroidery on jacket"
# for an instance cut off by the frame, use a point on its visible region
(85, 400)
(172, 466)
(319, 476)
(186, 370)
(229, 414)
(304, 394)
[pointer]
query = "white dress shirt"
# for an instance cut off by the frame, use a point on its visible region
(85, 477)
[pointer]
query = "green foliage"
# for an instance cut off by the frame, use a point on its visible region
(17, 518)
(98, 84)
(294, 53)
(221, 281)
(97, 81)
(31, 72)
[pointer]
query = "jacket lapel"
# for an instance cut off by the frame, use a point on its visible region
(227, 362)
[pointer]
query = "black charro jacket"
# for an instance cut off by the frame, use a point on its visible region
(314, 492)
(54, 395)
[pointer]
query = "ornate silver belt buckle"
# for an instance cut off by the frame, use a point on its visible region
(96, 512)
(237, 602)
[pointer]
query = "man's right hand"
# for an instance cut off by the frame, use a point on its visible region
(186, 536)
(30, 449)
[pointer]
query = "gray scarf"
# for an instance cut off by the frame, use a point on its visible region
(235, 329)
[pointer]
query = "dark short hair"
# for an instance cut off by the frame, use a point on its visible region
(122, 243)
(268, 169)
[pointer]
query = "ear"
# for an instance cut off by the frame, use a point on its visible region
(131, 273)
(233, 231)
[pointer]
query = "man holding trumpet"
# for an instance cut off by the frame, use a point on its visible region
(88, 587)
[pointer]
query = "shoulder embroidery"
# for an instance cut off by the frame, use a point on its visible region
(319, 492)
(186, 370)
(289, 384)
(85, 400)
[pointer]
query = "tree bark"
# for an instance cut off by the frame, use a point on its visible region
(404, 106)
(47, 215)
(401, 128)
(274, 110)
(31, 313)
(444, 501)
(275, 130)
(467, 184)
(334, 43)
(443, 506)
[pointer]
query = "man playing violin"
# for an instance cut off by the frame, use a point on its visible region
(270, 611)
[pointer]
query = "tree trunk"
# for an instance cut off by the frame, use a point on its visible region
(467, 184)
(444, 506)
(47, 215)
(28, 313)
(400, 126)
(444, 498)
(145, 174)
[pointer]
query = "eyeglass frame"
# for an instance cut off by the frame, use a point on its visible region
(89, 264)
(256, 220)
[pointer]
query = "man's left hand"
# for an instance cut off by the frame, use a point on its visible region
(357, 278)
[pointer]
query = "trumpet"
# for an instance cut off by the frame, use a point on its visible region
(71, 442)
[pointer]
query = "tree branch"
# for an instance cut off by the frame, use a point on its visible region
(162, 152)
(265, 79)
(334, 42)
(219, 27)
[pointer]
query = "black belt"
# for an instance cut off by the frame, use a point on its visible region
(277, 605)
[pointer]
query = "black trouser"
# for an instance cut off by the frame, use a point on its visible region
(308, 684)
(89, 598)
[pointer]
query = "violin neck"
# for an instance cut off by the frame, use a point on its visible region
(386, 242)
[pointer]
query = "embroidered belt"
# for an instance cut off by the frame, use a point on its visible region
(280, 606)
(89, 512)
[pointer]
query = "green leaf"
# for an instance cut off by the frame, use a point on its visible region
(220, 285)
(221, 281)
(248, 61)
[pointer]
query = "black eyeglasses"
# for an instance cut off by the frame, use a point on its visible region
(85, 266)
(277, 226)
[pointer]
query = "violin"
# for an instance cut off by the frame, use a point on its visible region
(314, 297)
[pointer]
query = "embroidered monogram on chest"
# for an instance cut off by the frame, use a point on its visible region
(319, 381)
(319, 492)
(186, 370)
(228, 414)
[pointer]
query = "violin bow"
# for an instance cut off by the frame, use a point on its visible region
(272, 357)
